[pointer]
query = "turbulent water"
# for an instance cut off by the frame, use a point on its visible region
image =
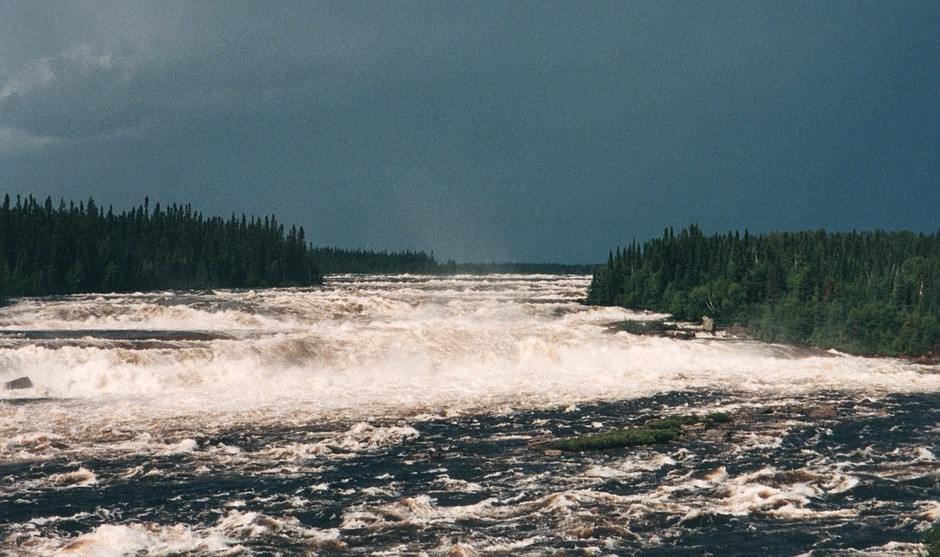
(393, 416)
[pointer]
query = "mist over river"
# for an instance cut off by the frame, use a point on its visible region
(392, 416)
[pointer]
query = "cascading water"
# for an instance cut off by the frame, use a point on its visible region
(392, 415)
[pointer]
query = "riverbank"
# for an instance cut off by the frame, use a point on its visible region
(863, 293)
(684, 330)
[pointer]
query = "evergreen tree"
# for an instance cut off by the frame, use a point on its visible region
(47, 250)
(863, 292)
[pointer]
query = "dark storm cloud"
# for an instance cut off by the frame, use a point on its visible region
(78, 93)
(537, 131)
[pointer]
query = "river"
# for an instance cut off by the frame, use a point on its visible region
(393, 416)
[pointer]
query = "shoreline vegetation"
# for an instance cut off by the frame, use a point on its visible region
(864, 293)
(655, 432)
(66, 249)
(70, 248)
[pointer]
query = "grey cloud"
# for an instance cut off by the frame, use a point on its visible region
(78, 93)
(524, 130)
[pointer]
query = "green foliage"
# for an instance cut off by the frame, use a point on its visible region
(66, 249)
(873, 293)
(655, 432)
(616, 439)
(452, 267)
(932, 541)
(335, 261)
(71, 248)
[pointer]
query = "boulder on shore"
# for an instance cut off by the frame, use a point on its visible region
(18, 383)
(708, 325)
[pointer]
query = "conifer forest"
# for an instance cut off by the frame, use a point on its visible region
(49, 248)
(871, 293)
(66, 248)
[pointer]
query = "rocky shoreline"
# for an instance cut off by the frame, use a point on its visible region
(706, 330)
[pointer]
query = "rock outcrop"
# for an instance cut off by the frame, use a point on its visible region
(708, 325)
(18, 383)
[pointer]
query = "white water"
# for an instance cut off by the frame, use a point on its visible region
(367, 345)
(381, 357)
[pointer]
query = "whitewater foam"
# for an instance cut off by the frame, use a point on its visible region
(432, 345)
(291, 385)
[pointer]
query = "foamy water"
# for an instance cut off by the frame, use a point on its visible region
(315, 420)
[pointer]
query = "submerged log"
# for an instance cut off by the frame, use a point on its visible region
(19, 383)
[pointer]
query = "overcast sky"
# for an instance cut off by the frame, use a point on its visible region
(523, 131)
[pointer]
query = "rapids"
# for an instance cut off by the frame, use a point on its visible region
(391, 415)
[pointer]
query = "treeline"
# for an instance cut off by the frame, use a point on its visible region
(873, 293)
(48, 249)
(335, 260)
(452, 268)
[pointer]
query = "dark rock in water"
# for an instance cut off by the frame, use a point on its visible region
(431, 454)
(652, 328)
(715, 435)
(540, 439)
(19, 383)
(824, 412)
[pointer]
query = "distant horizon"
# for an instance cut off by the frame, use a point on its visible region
(523, 131)
(432, 251)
